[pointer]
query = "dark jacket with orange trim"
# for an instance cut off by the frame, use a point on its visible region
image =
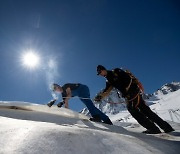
(120, 80)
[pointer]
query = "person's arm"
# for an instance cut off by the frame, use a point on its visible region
(105, 92)
(108, 85)
(68, 92)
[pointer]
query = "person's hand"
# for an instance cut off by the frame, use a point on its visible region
(51, 102)
(60, 104)
(98, 98)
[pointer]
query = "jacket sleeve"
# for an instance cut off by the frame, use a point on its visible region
(108, 85)
(107, 90)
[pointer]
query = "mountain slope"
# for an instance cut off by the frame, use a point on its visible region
(25, 131)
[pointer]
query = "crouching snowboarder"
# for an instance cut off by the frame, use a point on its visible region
(82, 91)
(131, 89)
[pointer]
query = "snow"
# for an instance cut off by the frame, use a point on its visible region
(40, 131)
(43, 108)
(166, 106)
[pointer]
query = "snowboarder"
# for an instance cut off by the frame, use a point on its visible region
(131, 89)
(82, 91)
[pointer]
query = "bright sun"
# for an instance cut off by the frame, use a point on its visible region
(30, 59)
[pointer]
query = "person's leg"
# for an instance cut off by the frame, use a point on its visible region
(141, 118)
(154, 117)
(92, 109)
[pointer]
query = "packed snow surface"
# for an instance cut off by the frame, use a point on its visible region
(31, 128)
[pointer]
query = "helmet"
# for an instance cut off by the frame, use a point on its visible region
(100, 68)
(54, 86)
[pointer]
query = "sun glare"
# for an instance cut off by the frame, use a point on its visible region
(30, 59)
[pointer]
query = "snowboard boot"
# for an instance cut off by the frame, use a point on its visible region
(108, 122)
(167, 127)
(157, 131)
(168, 130)
(95, 118)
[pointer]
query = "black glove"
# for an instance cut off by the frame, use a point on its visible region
(51, 102)
(98, 98)
(60, 104)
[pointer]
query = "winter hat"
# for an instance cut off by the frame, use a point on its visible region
(100, 68)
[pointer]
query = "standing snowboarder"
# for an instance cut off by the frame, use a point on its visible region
(82, 91)
(131, 88)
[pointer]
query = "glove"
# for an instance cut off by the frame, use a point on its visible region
(98, 98)
(60, 104)
(51, 102)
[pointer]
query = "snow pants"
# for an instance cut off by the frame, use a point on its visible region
(145, 116)
(83, 93)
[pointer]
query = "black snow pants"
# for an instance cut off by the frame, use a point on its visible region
(145, 116)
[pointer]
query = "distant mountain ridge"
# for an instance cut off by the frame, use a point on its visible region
(168, 87)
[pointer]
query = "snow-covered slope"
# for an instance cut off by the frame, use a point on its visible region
(168, 88)
(35, 131)
(41, 108)
(166, 106)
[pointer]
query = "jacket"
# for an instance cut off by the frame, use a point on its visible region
(119, 79)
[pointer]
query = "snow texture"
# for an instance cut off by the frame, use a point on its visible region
(40, 131)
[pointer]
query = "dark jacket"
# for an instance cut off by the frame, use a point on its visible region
(119, 79)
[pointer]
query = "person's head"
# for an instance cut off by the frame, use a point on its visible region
(101, 70)
(56, 87)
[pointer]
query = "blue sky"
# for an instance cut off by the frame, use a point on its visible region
(142, 36)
